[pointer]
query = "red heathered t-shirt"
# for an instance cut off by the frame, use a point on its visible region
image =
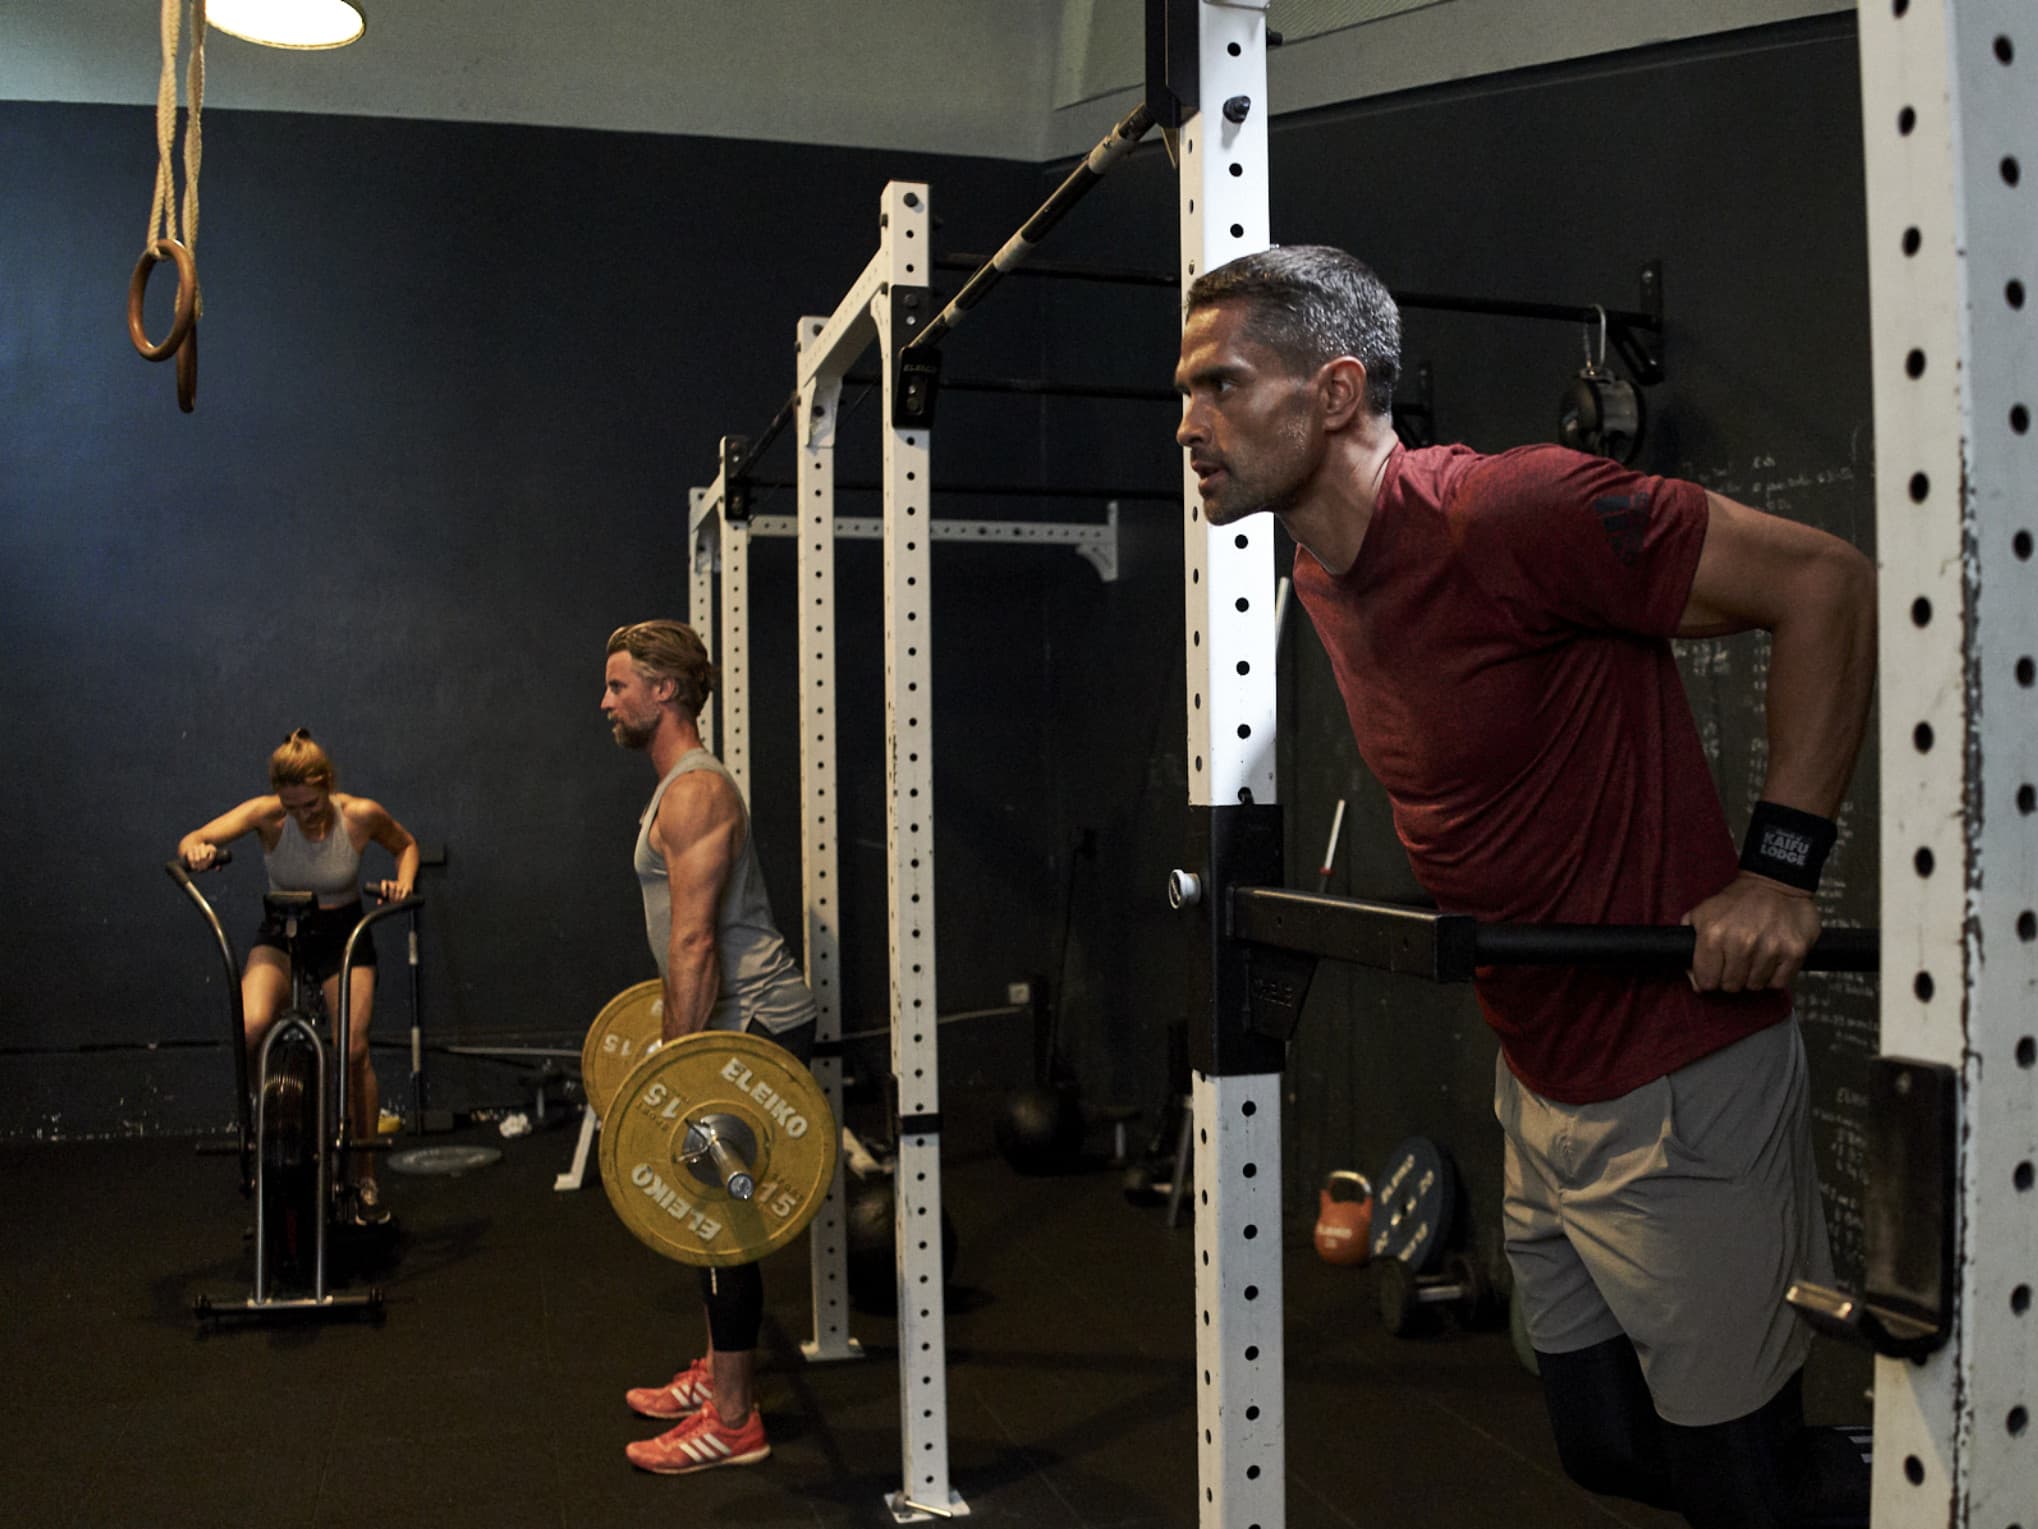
(1501, 644)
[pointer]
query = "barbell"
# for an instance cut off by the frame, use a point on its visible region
(717, 1148)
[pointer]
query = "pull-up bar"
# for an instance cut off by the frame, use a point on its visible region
(1124, 276)
(1109, 150)
(1043, 387)
(996, 490)
(747, 452)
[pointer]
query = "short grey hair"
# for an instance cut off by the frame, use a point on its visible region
(1311, 303)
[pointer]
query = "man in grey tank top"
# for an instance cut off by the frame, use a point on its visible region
(724, 967)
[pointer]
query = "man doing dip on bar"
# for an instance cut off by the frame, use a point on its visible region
(725, 967)
(1499, 627)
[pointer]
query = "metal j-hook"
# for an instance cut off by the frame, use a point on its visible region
(1595, 363)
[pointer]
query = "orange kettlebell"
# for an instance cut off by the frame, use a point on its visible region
(1344, 1218)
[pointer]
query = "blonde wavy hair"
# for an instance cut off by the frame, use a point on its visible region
(669, 650)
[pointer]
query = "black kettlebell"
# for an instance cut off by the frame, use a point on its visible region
(1600, 413)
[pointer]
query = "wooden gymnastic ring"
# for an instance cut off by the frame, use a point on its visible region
(187, 371)
(187, 298)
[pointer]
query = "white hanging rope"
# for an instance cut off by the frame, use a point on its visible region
(164, 220)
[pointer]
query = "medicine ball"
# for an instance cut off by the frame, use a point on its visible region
(872, 1259)
(1041, 1128)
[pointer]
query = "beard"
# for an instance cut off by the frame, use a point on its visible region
(1274, 491)
(630, 736)
(1274, 482)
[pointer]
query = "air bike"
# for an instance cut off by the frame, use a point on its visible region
(294, 1135)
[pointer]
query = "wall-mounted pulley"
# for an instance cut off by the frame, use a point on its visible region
(1600, 412)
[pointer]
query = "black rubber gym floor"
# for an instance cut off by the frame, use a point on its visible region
(491, 1394)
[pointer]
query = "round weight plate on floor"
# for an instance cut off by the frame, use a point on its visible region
(752, 1093)
(627, 1030)
(443, 1161)
(1415, 1199)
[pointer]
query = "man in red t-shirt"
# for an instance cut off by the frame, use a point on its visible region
(1499, 628)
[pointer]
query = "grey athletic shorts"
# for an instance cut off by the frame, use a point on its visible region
(1677, 1214)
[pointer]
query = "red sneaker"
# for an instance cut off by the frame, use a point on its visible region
(701, 1443)
(687, 1392)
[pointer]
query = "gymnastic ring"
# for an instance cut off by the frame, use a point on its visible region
(187, 371)
(187, 298)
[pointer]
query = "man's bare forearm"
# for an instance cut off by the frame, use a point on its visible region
(692, 983)
(1821, 682)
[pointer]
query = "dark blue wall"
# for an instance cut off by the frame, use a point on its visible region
(456, 382)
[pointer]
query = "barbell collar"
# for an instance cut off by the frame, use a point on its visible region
(711, 1149)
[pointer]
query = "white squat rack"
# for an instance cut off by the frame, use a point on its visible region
(885, 305)
(1949, 93)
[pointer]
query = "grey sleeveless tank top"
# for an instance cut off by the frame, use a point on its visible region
(331, 866)
(760, 984)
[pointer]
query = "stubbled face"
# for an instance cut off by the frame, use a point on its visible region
(309, 805)
(630, 702)
(1247, 420)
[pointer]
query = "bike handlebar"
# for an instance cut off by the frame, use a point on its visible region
(181, 873)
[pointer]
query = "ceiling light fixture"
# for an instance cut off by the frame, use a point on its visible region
(303, 24)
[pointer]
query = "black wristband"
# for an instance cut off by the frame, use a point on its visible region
(1787, 845)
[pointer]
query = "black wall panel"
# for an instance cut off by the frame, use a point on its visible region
(458, 379)
(1737, 162)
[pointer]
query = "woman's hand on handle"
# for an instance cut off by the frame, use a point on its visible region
(196, 853)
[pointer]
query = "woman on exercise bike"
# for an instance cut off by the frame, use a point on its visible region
(312, 838)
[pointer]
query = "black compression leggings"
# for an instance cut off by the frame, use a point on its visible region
(735, 1301)
(1755, 1472)
(735, 1297)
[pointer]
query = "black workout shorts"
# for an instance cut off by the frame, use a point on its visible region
(322, 939)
